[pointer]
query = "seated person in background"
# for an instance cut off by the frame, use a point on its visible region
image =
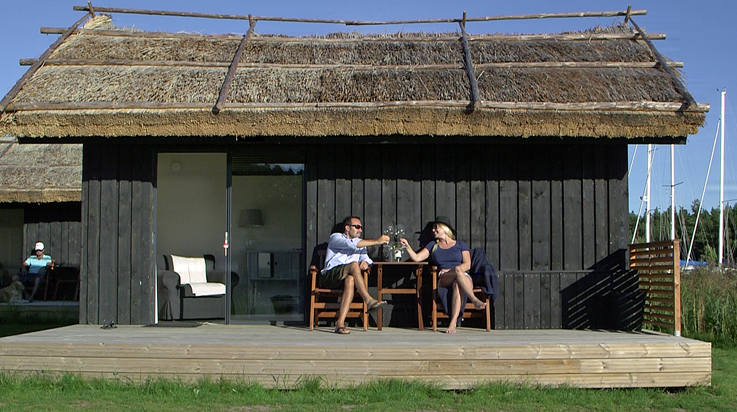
(453, 259)
(346, 257)
(34, 268)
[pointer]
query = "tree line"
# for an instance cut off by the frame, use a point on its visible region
(705, 242)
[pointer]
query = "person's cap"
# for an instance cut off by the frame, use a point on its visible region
(446, 221)
(39, 246)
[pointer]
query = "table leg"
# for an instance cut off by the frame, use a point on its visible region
(380, 312)
(418, 276)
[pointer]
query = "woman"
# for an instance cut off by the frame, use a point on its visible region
(453, 259)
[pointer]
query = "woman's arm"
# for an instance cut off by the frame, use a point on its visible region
(466, 262)
(421, 255)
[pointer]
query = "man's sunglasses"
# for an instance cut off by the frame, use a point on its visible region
(357, 226)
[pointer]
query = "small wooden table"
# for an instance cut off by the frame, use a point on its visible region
(417, 290)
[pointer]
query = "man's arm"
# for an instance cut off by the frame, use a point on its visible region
(381, 240)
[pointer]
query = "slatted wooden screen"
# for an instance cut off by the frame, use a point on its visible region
(657, 264)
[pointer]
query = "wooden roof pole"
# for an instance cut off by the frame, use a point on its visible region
(357, 22)
(27, 75)
(233, 66)
(664, 64)
(469, 66)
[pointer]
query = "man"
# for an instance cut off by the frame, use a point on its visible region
(345, 259)
(34, 268)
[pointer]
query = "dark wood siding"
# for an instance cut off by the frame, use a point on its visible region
(117, 260)
(551, 217)
(58, 225)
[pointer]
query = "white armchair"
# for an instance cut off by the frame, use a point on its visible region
(186, 283)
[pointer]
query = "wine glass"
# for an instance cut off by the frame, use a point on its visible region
(399, 230)
(389, 230)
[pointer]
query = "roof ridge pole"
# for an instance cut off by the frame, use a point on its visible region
(664, 64)
(475, 99)
(35, 66)
(233, 66)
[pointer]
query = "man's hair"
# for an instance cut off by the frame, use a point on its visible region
(349, 220)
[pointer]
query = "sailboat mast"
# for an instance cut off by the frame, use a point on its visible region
(721, 186)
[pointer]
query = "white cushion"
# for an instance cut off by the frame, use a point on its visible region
(207, 289)
(190, 269)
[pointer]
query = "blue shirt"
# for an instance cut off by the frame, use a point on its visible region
(35, 264)
(447, 258)
(342, 251)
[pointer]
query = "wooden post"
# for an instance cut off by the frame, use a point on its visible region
(677, 287)
(231, 70)
(469, 66)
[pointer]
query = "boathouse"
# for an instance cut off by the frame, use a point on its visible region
(262, 142)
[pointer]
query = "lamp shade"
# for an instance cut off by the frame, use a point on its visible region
(251, 218)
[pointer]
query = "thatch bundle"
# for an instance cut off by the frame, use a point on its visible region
(127, 79)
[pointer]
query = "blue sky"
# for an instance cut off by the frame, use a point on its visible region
(700, 34)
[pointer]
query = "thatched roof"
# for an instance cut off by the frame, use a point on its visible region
(40, 173)
(107, 81)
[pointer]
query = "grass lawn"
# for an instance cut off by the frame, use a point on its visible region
(70, 393)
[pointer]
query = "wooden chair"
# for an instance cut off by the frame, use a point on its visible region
(325, 303)
(469, 311)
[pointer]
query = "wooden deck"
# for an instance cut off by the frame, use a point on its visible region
(281, 356)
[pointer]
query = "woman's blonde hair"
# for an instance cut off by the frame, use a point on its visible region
(447, 230)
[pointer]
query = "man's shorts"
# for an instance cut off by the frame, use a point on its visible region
(333, 277)
(27, 278)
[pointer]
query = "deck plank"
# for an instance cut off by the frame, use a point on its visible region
(279, 356)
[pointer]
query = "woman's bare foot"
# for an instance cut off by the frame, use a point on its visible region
(479, 305)
(451, 329)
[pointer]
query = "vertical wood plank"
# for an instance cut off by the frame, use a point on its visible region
(546, 300)
(556, 319)
(556, 208)
(92, 246)
(588, 207)
(372, 202)
(541, 209)
(493, 217)
(519, 301)
(477, 162)
(532, 301)
(125, 218)
(601, 202)
(427, 188)
(445, 188)
(409, 201)
(463, 195)
(524, 208)
(389, 160)
(108, 249)
(572, 214)
(326, 215)
(311, 201)
(500, 304)
(83, 233)
(147, 259)
(510, 301)
(509, 246)
(343, 191)
(358, 166)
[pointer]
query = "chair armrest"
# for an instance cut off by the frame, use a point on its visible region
(216, 276)
(169, 279)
